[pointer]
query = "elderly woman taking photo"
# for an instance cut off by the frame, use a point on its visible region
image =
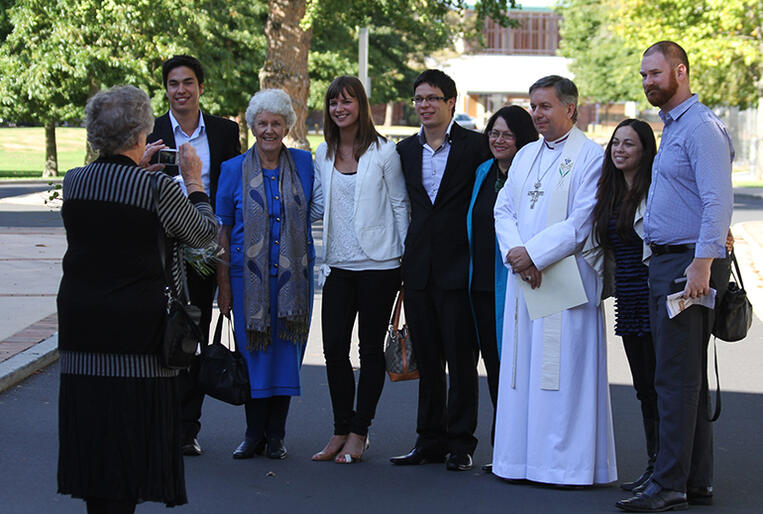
(119, 413)
(266, 277)
(508, 130)
(360, 193)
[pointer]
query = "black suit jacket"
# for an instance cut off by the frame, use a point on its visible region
(437, 247)
(222, 135)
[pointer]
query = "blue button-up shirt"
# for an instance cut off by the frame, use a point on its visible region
(433, 162)
(691, 199)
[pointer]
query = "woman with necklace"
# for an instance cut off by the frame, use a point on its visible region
(360, 194)
(506, 132)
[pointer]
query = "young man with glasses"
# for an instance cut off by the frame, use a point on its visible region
(439, 164)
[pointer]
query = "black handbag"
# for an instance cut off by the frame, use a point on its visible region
(182, 334)
(398, 352)
(223, 373)
(733, 315)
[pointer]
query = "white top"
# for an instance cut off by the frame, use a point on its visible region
(344, 250)
(200, 143)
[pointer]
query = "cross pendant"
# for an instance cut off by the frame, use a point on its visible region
(534, 195)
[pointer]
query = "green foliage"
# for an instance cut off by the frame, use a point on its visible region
(605, 67)
(721, 37)
(605, 39)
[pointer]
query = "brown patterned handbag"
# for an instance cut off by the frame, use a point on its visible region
(398, 350)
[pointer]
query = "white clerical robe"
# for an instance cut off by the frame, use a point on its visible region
(562, 435)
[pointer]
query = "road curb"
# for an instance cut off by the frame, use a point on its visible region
(20, 366)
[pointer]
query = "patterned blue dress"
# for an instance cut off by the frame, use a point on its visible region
(631, 288)
(274, 371)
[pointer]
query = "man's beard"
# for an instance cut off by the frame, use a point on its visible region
(659, 96)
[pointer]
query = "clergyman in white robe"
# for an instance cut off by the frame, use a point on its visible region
(553, 420)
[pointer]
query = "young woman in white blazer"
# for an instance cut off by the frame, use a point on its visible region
(359, 191)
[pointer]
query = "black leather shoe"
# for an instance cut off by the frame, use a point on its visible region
(191, 447)
(248, 449)
(415, 457)
(655, 499)
(643, 479)
(488, 468)
(459, 462)
(276, 449)
(700, 495)
(641, 488)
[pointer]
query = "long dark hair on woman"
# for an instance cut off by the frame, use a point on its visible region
(519, 122)
(613, 190)
(345, 85)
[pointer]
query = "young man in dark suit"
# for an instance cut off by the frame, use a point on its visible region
(439, 164)
(215, 140)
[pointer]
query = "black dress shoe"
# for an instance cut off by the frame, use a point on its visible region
(459, 462)
(488, 468)
(700, 495)
(276, 449)
(643, 479)
(639, 489)
(655, 499)
(415, 457)
(248, 449)
(191, 447)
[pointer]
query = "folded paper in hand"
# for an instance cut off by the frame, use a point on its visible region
(677, 303)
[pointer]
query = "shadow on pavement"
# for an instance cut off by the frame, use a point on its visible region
(216, 483)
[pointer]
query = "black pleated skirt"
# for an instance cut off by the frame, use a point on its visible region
(119, 439)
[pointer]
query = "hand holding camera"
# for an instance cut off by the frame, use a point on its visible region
(190, 168)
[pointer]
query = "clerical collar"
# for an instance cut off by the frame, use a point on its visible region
(553, 144)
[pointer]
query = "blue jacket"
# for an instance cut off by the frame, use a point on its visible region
(501, 272)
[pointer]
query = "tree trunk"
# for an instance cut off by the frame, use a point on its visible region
(286, 62)
(90, 154)
(243, 131)
(388, 112)
(51, 156)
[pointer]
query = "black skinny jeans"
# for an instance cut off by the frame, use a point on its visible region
(368, 294)
(640, 353)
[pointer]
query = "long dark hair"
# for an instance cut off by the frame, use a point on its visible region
(345, 85)
(613, 191)
(519, 122)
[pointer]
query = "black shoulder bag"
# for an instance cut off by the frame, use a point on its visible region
(182, 334)
(733, 316)
(223, 373)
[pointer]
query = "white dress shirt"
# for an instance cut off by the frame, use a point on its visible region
(200, 143)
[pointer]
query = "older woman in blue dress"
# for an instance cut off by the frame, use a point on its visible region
(263, 203)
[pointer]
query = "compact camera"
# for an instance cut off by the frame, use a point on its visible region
(169, 157)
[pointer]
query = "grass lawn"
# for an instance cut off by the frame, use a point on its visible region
(22, 150)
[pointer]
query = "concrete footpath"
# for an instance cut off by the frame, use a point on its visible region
(30, 271)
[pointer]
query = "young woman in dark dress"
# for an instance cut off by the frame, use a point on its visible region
(621, 201)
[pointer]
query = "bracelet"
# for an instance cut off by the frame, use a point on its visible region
(192, 184)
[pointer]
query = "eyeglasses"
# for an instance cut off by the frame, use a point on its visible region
(429, 99)
(507, 136)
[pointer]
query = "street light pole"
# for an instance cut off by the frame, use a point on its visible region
(363, 59)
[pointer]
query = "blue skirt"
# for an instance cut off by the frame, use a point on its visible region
(275, 371)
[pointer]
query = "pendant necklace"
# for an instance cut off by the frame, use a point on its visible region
(536, 193)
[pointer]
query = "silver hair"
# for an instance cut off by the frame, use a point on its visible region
(274, 101)
(566, 90)
(116, 118)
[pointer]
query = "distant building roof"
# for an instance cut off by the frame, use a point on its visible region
(507, 74)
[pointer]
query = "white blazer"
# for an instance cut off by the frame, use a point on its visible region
(381, 210)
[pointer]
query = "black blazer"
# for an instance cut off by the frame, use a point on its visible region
(437, 247)
(222, 135)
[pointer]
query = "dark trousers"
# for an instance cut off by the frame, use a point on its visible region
(202, 293)
(442, 331)
(484, 313)
(685, 456)
(640, 353)
(266, 417)
(369, 295)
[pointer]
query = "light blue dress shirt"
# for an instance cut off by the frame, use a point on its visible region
(433, 162)
(691, 199)
(199, 142)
